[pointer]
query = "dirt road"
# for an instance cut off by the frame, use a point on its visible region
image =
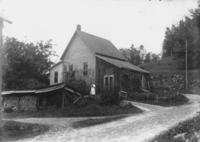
(137, 128)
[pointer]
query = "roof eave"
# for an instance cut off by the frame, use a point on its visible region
(66, 49)
(55, 65)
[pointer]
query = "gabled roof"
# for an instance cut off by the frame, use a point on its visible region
(97, 45)
(100, 45)
(4, 19)
(122, 64)
(56, 64)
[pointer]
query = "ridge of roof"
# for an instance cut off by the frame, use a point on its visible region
(100, 45)
(82, 32)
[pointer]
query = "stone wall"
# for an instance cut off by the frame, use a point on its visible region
(20, 103)
(175, 80)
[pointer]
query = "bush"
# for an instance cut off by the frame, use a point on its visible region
(110, 97)
(143, 96)
(160, 89)
(80, 86)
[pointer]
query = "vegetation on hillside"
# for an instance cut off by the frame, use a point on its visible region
(187, 31)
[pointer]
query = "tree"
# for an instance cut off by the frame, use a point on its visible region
(26, 64)
(147, 58)
(132, 54)
(138, 55)
(175, 40)
(155, 57)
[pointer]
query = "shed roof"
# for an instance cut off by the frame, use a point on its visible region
(122, 64)
(50, 88)
(38, 91)
(17, 92)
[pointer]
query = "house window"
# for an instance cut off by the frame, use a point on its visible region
(56, 77)
(85, 68)
(109, 82)
(71, 68)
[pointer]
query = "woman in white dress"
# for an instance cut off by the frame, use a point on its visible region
(92, 90)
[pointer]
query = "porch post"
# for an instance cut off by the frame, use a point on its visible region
(63, 100)
(1, 49)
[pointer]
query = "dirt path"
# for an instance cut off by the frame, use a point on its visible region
(135, 128)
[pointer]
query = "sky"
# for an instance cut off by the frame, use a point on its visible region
(123, 22)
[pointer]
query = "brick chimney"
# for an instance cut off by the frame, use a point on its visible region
(78, 28)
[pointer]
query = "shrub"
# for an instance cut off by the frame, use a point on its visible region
(80, 86)
(110, 97)
(143, 96)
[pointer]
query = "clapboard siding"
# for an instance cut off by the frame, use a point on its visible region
(58, 68)
(103, 68)
(76, 55)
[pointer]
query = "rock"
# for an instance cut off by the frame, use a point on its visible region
(180, 137)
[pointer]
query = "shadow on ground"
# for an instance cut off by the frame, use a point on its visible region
(74, 111)
(12, 130)
(96, 121)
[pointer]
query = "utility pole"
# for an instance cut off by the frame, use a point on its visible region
(186, 65)
(2, 20)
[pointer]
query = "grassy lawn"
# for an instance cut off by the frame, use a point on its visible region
(187, 131)
(75, 111)
(12, 130)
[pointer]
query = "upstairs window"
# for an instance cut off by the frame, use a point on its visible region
(56, 77)
(85, 68)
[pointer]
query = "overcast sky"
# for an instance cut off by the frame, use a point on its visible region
(124, 22)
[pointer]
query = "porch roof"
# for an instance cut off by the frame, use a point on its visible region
(38, 91)
(3, 93)
(50, 88)
(122, 64)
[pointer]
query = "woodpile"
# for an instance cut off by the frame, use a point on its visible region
(22, 103)
(11, 102)
(28, 103)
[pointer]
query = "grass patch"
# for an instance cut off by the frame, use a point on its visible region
(96, 121)
(92, 109)
(185, 131)
(13, 130)
(157, 99)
